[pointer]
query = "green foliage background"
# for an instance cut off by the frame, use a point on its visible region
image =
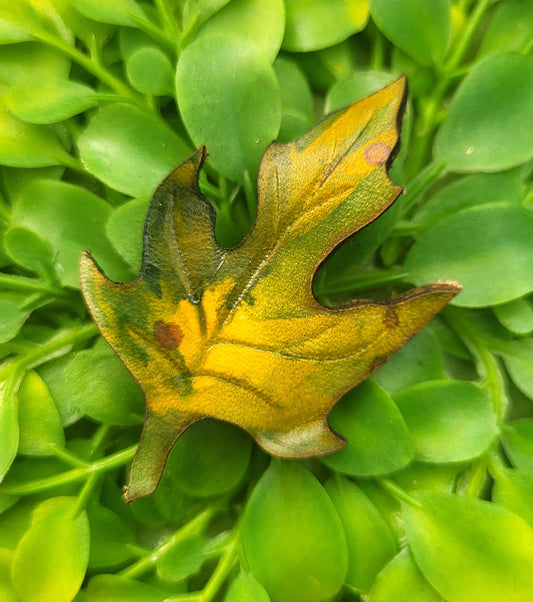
(432, 499)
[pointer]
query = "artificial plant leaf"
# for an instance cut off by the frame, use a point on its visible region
(236, 334)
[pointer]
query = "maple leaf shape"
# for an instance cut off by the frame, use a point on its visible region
(236, 334)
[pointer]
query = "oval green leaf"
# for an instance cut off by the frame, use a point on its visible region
(229, 99)
(245, 588)
(517, 439)
(518, 360)
(369, 539)
(514, 490)
(449, 420)
(118, 12)
(314, 24)
(378, 441)
(41, 431)
(292, 536)
(9, 428)
(150, 71)
(420, 28)
(129, 149)
(485, 128)
(112, 541)
(103, 588)
(474, 248)
(209, 458)
(50, 101)
(470, 549)
(51, 559)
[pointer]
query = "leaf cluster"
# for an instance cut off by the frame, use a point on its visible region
(431, 498)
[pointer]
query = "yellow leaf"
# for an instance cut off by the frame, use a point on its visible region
(236, 334)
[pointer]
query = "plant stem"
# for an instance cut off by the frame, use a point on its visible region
(71, 476)
(24, 284)
(391, 487)
(89, 65)
(223, 568)
(419, 185)
(359, 281)
(193, 527)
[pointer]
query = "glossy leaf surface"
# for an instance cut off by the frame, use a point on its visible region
(236, 334)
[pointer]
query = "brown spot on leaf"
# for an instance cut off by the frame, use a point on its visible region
(168, 336)
(390, 318)
(377, 153)
(377, 362)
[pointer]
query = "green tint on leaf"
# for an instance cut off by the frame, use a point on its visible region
(9, 428)
(484, 129)
(510, 29)
(14, 310)
(261, 24)
(100, 386)
(222, 84)
(51, 559)
(473, 243)
(449, 421)
(517, 439)
(118, 12)
(420, 28)
(129, 149)
(402, 581)
(209, 459)
(419, 360)
(312, 25)
(27, 145)
(111, 538)
(83, 217)
(378, 441)
(50, 101)
(470, 549)
(41, 431)
(518, 359)
(150, 71)
(350, 89)
(296, 100)
(245, 588)
(22, 63)
(236, 334)
(292, 536)
(368, 537)
(516, 316)
(513, 489)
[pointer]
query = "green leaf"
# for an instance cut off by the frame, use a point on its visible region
(476, 189)
(19, 21)
(473, 243)
(150, 71)
(245, 588)
(402, 581)
(32, 252)
(187, 557)
(510, 29)
(313, 24)
(419, 360)
(358, 85)
(292, 536)
(14, 310)
(50, 100)
(7, 592)
(99, 386)
(9, 428)
(516, 316)
(27, 145)
(41, 431)
(370, 541)
(421, 29)
(26, 61)
(51, 559)
(517, 439)
(378, 441)
(518, 359)
(129, 149)
(118, 12)
(513, 489)
(419, 476)
(209, 458)
(111, 538)
(103, 588)
(83, 216)
(449, 420)
(125, 230)
(222, 86)
(260, 24)
(484, 129)
(470, 549)
(296, 100)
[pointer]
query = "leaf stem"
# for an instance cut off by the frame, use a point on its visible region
(22, 283)
(393, 488)
(71, 476)
(420, 184)
(223, 568)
